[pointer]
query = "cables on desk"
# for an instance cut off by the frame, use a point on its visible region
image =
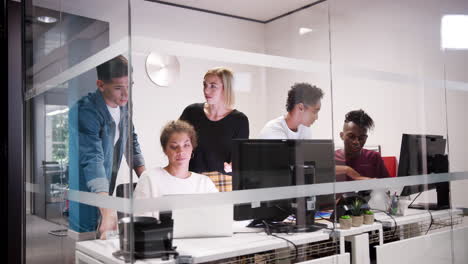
(414, 199)
(432, 218)
(268, 232)
(391, 216)
(289, 241)
(432, 221)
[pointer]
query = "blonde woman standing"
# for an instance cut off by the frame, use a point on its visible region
(216, 123)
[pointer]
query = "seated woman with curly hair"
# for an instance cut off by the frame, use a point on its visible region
(178, 140)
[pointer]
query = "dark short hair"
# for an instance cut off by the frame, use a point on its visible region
(360, 118)
(303, 93)
(177, 126)
(114, 68)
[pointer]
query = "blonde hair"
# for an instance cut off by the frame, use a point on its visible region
(227, 77)
(177, 126)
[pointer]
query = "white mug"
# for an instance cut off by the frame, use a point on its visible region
(403, 206)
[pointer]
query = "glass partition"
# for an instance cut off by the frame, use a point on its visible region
(243, 132)
(69, 152)
(263, 168)
(392, 93)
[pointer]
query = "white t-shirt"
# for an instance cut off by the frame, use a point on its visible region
(158, 182)
(115, 113)
(278, 129)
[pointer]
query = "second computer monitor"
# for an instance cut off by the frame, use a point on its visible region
(277, 163)
(425, 154)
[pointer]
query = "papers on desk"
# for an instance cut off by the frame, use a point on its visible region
(207, 221)
(322, 214)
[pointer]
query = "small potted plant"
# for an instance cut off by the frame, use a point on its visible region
(345, 222)
(368, 217)
(356, 212)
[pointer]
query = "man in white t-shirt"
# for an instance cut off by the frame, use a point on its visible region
(303, 105)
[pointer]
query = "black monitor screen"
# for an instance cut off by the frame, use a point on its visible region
(424, 154)
(277, 163)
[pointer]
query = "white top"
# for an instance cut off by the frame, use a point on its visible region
(278, 129)
(158, 182)
(115, 113)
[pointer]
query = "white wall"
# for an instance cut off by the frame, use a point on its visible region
(282, 38)
(153, 105)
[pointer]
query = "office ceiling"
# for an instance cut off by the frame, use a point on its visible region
(262, 10)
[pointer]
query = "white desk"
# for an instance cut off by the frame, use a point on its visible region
(201, 249)
(341, 234)
(415, 221)
(414, 216)
(360, 253)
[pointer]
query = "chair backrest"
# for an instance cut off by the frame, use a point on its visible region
(123, 191)
(391, 165)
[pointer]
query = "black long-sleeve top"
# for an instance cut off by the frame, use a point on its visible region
(214, 137)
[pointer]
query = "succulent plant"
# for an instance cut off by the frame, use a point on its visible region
(345, 217)
(356, 207)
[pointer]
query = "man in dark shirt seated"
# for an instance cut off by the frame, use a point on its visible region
(355, 162)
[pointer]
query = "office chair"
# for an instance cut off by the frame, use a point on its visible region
(123, 191)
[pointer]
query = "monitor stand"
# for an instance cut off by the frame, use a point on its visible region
(429, 206)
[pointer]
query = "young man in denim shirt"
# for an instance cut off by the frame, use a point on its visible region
(99, 136)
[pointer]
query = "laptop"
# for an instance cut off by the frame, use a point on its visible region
(212, 221)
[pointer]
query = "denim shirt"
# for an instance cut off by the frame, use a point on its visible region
(92, 168)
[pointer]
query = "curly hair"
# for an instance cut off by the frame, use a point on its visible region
(303, 93)
(360, 118)
(177, 126)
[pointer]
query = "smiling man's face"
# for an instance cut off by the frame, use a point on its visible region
(354, 138)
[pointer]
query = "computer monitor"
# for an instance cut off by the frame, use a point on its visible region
(261, 163)
(425, 154)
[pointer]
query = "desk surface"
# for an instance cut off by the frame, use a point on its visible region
(414, 216)
(354, 230)
(207, 249)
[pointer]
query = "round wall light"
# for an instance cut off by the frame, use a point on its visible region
(163, 70)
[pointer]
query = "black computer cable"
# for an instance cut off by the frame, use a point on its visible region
(270, 233)
(296, 250)
(391, 216)
(414, 199)
(432, 221)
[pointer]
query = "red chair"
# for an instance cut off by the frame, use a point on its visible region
(391, 165)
